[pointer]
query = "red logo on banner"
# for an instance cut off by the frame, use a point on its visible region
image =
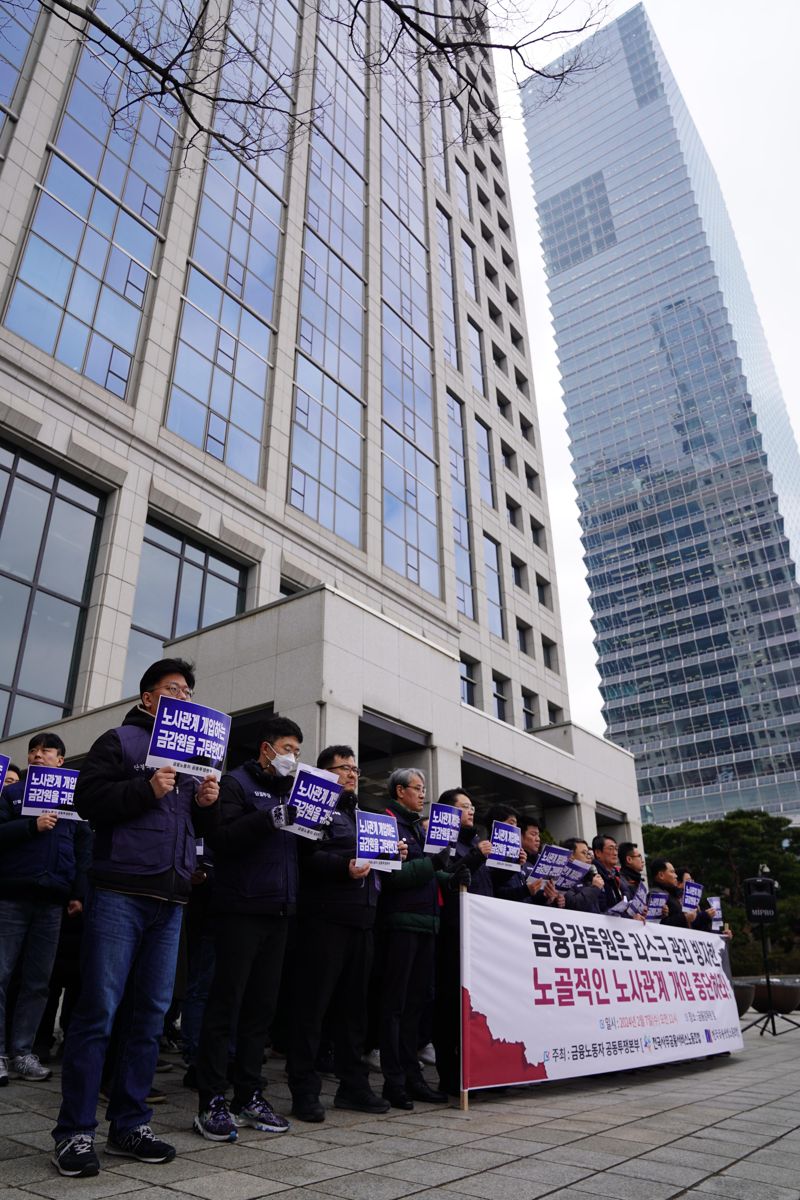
(489, 1061)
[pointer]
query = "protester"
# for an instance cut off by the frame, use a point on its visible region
(146, 823)
(337, 910)
(43, 862)
(409, 912)
(255, 894)
(469, 870)
(663, 877)
(13, 775)
(631, 865)
(589, 895)
(606, 863)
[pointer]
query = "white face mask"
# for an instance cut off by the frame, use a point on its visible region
(283, 764)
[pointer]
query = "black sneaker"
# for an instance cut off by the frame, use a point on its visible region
(142, 1144)
(308, 1108)
(366, 1101)
(75, 1156)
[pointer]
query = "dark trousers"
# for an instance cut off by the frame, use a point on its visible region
(407, 986)
(331, 977)
(248, 960)
(446, 1012)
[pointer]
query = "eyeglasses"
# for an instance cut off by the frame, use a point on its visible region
(416, 787)
(346, 769)
(176, 690)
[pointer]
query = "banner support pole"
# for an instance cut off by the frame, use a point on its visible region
(463, 1096)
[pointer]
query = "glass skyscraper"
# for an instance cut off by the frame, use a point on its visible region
(261, 403)
(687, 471)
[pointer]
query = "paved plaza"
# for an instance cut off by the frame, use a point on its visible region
(727, 1127)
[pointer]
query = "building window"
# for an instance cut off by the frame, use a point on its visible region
(494, 586)
(476, 359)
(438, 129)
(195, 588)
(447, 289)
(513, 513)
(327, 441)
(483, 444)
(462, 191)
(519, 573)
(90, 254)
(550, 654)
(469, 681)
(526, 429)
(500, 696)
(509, 457)
(18, 22)
(465, 597)
(532, 481)
(555, 715)
(530, 710)
(538, 536)
(524, 638)
(49, 525)
(468, 267)
(544, 592)
(410, 529)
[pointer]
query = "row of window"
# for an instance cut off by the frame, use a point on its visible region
(499, 699)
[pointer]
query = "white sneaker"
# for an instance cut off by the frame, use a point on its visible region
(27, 1066)
(427, 1056)
(372, 1060)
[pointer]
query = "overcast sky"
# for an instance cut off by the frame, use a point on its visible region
(736, 63)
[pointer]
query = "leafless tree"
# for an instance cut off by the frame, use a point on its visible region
(210, 61)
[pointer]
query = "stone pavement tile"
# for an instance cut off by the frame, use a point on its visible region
(33, 1139)
(291, 1145)
(541, 1171)
(736, 1137)
(438, 1137)
(780, 1154)
(25, 1121)
(471, 1158)
(227, 1156)
(614, 1143)
(492, 1186)
(104, 1184)
(613, 1186)
(741, 1189)
(369, 1185)
(180, 1168)
(295, 1172)
(645, 1169)
(702, 1159)
(555, 1136)
(708, 1145)
(343, 1137)
(578, 1155)
(763, 1172)
(361, 1158)
(231, 1185)
(424, 1170)
(507, 1144)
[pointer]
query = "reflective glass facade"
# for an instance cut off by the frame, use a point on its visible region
(687, 471)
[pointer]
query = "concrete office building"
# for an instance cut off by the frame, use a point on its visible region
(278, 417)
(687, 470)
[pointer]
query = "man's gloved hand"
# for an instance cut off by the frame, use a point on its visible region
(461, 877)
(283, 815)
(441, 860)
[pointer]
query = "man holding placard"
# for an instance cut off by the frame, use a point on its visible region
(337, 908)
(410, 916)
(44, 854)
(255, 894)
(146, 822)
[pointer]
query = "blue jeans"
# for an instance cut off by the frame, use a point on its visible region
(29, 932)
(130, 946)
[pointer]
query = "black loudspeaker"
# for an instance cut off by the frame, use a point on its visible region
(760, 900)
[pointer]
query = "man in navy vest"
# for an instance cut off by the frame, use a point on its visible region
(255, 894)
(43, 863)
(146, 825)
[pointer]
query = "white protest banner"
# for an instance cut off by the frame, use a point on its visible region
(691, 896)
(189, 737)
(315, 794)
(50, 789)
(376, 841)
(506, 845)
(444, 822)
(553, 995)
